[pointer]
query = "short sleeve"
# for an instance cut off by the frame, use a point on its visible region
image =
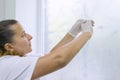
(17, 68)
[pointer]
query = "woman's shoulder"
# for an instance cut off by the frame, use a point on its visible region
(10, 65)
(5, 57)
(17, 59)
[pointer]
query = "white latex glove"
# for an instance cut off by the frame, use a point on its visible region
(76, 28)
(87, 26)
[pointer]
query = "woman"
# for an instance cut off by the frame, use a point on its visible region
(15, 44)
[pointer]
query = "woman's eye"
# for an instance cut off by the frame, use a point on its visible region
(23, 35)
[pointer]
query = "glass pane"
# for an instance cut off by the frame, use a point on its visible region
(61, 15)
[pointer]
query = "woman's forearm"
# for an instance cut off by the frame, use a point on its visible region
(67, 38)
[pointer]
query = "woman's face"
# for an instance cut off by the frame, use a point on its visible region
(21, 40)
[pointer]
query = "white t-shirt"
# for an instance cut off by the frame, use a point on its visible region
(17, 68)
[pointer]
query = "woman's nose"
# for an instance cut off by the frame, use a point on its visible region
(29, 37)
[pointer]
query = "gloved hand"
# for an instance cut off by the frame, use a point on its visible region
(76, 27)
(87, 26)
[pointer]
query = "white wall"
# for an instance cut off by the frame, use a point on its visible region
(10, 6)
(2, 9)
(7, 9)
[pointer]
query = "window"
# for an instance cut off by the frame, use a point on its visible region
(99, 59)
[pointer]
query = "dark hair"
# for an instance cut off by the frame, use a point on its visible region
(6, 34)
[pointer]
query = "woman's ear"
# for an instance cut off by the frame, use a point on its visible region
(9, 47)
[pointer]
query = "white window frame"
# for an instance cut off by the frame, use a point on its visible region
(41, 27)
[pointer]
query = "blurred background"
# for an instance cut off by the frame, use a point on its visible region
(49, 20)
